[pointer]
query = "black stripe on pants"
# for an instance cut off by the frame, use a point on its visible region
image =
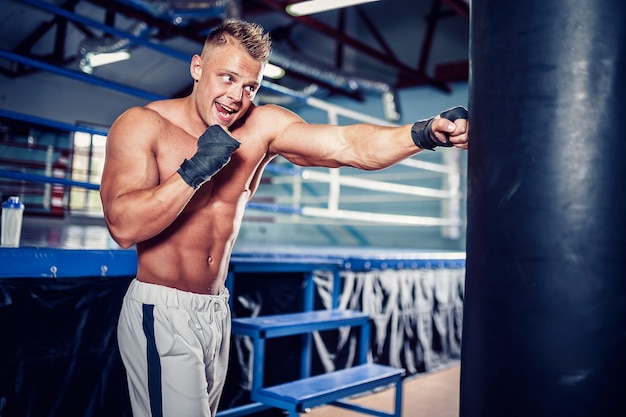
(154, 363)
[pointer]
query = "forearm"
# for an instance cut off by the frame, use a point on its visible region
(377, 147)
(142, 214)
(393, 145)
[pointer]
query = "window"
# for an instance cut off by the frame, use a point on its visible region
(87, 166)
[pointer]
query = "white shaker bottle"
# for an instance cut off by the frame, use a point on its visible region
(12, 214)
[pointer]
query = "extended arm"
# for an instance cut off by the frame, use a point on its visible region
(365, 146)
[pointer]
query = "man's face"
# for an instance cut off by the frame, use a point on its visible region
(227, 81)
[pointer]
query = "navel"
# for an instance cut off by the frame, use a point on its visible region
(209, 260)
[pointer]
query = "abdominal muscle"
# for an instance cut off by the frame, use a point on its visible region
(193, 253)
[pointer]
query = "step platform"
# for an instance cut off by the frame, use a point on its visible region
(330, 388)
(279, 325)
(299, 395)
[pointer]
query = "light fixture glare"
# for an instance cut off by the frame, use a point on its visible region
(316, 6)
(98, 59)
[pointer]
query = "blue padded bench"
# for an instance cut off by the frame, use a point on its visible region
(330, 388)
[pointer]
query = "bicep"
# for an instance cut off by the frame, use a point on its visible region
(311, 145)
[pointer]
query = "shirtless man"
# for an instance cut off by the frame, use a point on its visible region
(177, 177)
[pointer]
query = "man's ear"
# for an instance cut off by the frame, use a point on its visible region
(195, 68)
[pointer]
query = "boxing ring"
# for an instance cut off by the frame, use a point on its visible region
(61, 290)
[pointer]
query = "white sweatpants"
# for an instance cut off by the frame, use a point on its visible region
(174, 345)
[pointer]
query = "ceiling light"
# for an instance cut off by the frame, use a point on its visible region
(272, 71)
(94, 59)
(316, 6)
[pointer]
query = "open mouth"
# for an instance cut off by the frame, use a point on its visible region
(224, 111)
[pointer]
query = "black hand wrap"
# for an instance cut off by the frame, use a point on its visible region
(422, 131)
(215, 147)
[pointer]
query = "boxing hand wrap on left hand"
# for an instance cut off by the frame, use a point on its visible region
(422, 131)
(215, 147)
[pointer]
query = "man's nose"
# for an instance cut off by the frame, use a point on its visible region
(236, 92)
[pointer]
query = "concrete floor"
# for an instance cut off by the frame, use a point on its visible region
(435, 394)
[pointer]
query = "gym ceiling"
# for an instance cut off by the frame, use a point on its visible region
(388, 44)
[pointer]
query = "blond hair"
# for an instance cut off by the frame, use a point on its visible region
(251, 36)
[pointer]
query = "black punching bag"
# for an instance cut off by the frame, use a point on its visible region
(544, 331)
